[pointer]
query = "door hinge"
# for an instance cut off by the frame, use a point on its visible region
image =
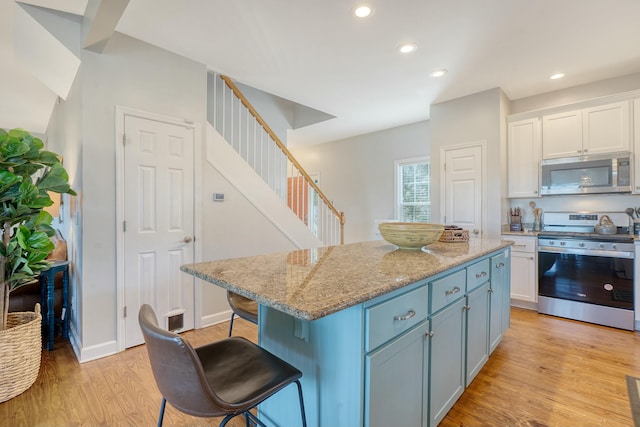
(125, 311)
(124, 226)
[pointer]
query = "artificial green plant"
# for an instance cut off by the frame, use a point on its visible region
(27, 174)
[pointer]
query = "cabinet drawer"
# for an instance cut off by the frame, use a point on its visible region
(390, 318)
(447, 290)
(521, 244)
(477, 274)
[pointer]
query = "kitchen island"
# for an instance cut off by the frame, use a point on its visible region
(383, 336)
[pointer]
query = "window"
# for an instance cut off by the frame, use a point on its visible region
(413, 190)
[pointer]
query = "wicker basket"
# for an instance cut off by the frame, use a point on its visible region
(20, 353)
(454, 236)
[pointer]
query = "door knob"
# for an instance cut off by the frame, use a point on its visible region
(476, 231)
(187, 239)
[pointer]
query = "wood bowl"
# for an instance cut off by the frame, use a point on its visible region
(410, 235)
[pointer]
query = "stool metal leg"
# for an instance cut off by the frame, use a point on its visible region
(161, 416)
(304, 417)
(233, 314)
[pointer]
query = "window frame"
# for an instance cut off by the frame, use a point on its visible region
(398, 164)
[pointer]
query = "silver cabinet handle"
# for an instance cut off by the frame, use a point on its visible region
(519, 246)
(490, 290)
(407, 316)
(455, 290)
(187, 239)
(428, 334)
(466, 307)
(481, 274)
(500, 265)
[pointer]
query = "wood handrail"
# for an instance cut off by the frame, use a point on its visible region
(284, 149)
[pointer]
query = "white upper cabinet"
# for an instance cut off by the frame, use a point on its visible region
(562, 135)
(595, 130)
(523, 151)
(636, 145)
(606, 128)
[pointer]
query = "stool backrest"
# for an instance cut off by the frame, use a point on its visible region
(176, 368)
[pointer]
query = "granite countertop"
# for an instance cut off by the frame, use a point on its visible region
(313, 283)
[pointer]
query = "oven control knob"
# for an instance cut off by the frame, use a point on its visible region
(581, 245)
(562, 243)
(551, 242)
(601, 245)
(614, 247)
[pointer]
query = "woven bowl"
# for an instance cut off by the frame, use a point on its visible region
(410, 235)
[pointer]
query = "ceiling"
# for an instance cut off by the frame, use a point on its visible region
(316, 53)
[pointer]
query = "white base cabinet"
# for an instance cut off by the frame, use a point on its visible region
(524, 270)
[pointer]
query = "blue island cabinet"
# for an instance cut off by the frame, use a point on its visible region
(402, 358)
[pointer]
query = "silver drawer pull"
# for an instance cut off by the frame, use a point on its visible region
(500, 265)
(519, 246)
(481, 274)
(407, 316)
(455, 290)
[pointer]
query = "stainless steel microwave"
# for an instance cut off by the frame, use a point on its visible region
(604, 173)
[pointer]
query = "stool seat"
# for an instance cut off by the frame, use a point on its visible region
(242, 306)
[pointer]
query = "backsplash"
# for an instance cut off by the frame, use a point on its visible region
(582, 203)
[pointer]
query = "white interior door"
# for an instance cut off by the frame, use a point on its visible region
(159, 223)
(464, 188)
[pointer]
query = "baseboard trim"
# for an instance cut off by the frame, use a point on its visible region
(528, 305)
(214, 319)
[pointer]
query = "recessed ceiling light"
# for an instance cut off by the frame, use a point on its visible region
(438, 73)
(407, 48)
(556, 76)
(362, 11)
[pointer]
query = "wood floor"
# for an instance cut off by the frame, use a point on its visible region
(546, 372)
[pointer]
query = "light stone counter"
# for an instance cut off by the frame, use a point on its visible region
(313, 283)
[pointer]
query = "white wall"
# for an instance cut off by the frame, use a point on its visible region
(577, 94)
(64, 137)
(134, 74)
(357, 174)
(473, 118)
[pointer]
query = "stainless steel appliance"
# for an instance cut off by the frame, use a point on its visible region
(583, 275)
(605, 173)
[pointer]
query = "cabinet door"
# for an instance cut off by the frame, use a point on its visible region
(446, 373)
(477, 331)
(499, 316)
(523, 277)
(562, 135)
(523, 151)
(394, 377)
(606, 128)
(636, 144)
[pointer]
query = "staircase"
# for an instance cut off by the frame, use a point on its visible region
(243, 147)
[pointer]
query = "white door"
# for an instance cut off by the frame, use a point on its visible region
(463, 188)
(159, 223)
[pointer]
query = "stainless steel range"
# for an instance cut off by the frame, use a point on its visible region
(583, 275)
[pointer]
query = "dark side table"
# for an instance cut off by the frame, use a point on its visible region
(46, 297)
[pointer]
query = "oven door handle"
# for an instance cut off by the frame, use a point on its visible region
(591, 252)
